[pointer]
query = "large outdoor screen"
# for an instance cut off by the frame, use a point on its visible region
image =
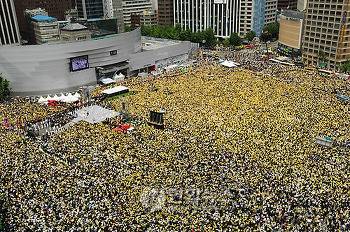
(79, 63)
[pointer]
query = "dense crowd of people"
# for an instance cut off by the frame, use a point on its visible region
(238, 153)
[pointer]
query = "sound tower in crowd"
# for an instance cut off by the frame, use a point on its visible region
(9, 32)
(157, 119)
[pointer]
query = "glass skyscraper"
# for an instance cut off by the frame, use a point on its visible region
(258, 16)
(90, 9)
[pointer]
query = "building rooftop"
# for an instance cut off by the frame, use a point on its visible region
(43, 18)
(74, 27)
(293, 14)
(150, 43)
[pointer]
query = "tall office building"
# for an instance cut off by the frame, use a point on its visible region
(55, 8)
(135, 7)
(255, 14)
(165, 12)
(102, 9)
(45, 29)
(155, 4)
(118, 14)
(90, 9)
(114, 9)
(147, 18)
(248, 9)
(287, 4)
(270, 11)
(223, 16)
(9, 32)
(327, 33)
(108, 9)
(30, 32)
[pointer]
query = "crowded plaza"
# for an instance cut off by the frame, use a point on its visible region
(238, 152)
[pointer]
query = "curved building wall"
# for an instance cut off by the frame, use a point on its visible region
(43, 69)
(152, 57)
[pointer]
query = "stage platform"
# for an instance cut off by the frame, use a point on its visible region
(94, 114)
(115, 91)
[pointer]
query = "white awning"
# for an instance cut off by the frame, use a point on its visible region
(107, 81)
(171, 67)
(281, 62)
(115, 90)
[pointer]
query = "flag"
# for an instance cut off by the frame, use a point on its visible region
(6, 123)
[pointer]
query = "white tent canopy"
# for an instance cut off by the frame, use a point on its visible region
(119, 77)
(49, 98)
(70, 99)
(77, 95)
(171, 67)
(56, 98)
(42, 100)
(107, 81)
(229, 64)
(63, 98)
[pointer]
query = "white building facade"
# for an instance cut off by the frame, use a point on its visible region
(255, 14)
(9, 32)
(224, 16)
(108, 9)
(270, 11)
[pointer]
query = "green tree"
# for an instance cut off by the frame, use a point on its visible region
(198, 37)
(272, 29)
(235, 39)
(185, 35)
(345, 67)
(265, 36)
(209, 37)
(178, 27)
(127, 28)
(226, 42)
(177, 33)
(250, 35)
(145, 30)
(4, 88)
(322, 60)
(173, 33)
